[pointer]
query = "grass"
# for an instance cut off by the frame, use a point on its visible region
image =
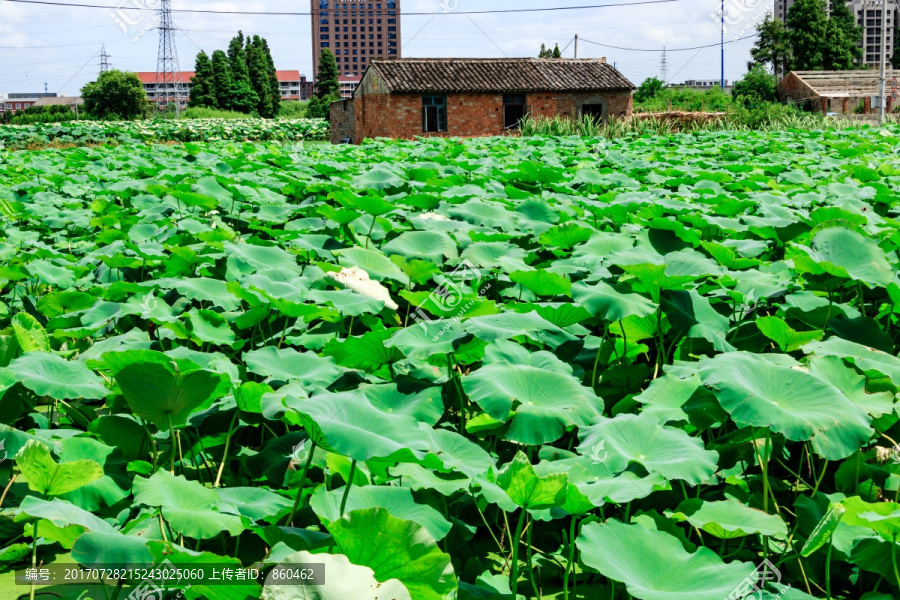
(739, 120)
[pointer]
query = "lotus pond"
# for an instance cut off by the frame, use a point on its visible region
(163, 130)
(661, 368)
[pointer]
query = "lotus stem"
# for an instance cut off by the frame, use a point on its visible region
(894, 559)
(573, 526)
(6, 489)
(537, 593)
(312, 451)
(828, 568)
(172, 441)
(227, 446)
(514, 568)
(34, 537)
(348, 486)
(765, 469)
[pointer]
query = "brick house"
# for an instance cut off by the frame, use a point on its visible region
(473, 97)
(835, 91)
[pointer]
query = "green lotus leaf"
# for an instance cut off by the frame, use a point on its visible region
(289, 365)
(728, 519)
(166, 391)
(782, 334)
(529, 491)
(881, 517)
(51, 375)
(845, 253)
(788, 400)
(542, 283)
(187, 506)
(395, 549)
(640, 438)
(348, 424)
(611, 302)
(621, 552)
(541, 404)
(397, 501)
(49, 478)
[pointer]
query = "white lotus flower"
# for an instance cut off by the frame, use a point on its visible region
(433, 216)
(358, 280)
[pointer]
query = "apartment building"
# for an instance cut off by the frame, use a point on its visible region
(292, 85)
(356, 31)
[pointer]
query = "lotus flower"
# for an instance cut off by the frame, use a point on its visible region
(358, 280)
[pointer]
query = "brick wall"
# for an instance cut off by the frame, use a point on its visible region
(468, 115)
(343, 121)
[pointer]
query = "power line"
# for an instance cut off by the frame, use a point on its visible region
(746, 37)
(306, 14)
(79, 71)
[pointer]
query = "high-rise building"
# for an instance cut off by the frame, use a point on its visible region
(868, 17)
(356, 32)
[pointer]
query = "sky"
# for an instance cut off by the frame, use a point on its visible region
(60, 45)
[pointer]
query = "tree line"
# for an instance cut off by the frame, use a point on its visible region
(809, 39)
(242, 80)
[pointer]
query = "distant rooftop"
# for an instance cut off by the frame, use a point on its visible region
(843, 84)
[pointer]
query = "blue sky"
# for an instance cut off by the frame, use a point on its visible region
(57, 45)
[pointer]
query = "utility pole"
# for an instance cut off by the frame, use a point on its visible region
(104, 59)
(881, 86)
(576, 45)
(722, 47)
(168, 73)
(664, 66)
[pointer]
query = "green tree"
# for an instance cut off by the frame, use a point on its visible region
(649, 89)
(258, 70)
(315, 109)
(807, 25)
(772, 46)
(843, 35)
(327, 84)
(241, 96)
(545, 53)
(116, 94)
(222, 80)
(275, 93)
(203, 89)
(757, 87)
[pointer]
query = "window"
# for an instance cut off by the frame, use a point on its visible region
(514, 110)
(434, 113)
(18, 105)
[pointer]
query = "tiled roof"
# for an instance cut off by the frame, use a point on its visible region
(844, 84)
(410, 75)
(59, 101)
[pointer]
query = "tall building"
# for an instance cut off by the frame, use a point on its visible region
(868, 17)
(356, 32)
